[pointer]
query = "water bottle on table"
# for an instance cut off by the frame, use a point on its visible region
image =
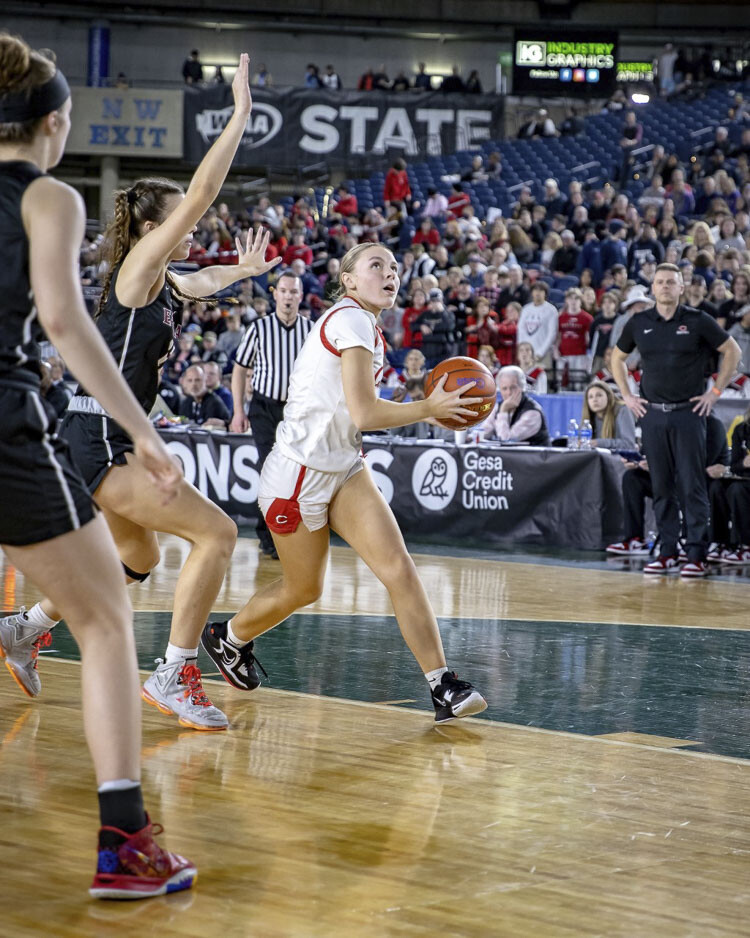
(573, 433)
(585, 435)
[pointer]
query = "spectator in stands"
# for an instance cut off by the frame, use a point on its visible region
(614, 248)
(397, 189)
(554, 201)
(457, 200)
(636, 302)
(453, 83)
(380, 80)
(121, 82)
(347, 201)
(436, 205)
(536, 376)
(298, 250)
(612, 423)
(728, 311)
(209, 350)
(695, 296)
(681, 195)
(601, 328)
(481, 327)
(541, 125)
(516, 416)
(213, 375)
(413, 365)
(538, 324)
(573, 125)
(262, 78)
(330, 79)
(422, 81)
(631, 136)
(54, 394)
(412, 334)
(436, 325)
(513, 287)
(665, 69)
(550, 246)
(565, 258)
(201, 406)
(571, 346)
(490, 287)
(400, 83)
(507, 335)
(192, 69)
(427, 234)
(232, 336)
(740, 332)
(644, 245)
(706, 194)
(312, 77)
(728, 237)
(473, 84)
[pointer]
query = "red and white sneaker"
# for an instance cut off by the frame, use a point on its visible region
(716, 553)
(662, 566)
(630, 547)
(694, 569)
(737, 556)
(134, 866)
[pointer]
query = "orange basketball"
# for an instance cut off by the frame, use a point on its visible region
(462, 371)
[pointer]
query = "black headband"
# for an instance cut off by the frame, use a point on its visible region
(19, 106)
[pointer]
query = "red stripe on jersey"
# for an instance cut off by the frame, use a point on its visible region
(323, 338)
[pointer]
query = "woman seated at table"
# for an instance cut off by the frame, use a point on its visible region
(612, 424)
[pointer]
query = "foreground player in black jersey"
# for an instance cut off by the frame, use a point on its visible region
(153, 225)
(48, 527)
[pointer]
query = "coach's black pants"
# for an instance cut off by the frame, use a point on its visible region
(674, 443)
(264, 415)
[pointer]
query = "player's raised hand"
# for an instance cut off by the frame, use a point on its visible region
(252, 258)
(243, 101)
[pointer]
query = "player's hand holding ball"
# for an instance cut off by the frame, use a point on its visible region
(462, 392)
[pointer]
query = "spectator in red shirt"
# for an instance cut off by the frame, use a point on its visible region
(418, 306)
(427, 234)
(481, 327)
(457, 200)
(573, 330)
(298, 249)
(347, 202)
(507, 332)
(397, 188)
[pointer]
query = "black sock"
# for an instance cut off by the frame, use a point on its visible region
(123, 809)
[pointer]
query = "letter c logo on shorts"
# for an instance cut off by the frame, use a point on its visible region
(281, 519)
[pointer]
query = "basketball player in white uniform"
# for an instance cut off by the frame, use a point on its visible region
(315, 479)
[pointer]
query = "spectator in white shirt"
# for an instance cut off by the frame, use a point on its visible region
(436, 203)
(538, 324)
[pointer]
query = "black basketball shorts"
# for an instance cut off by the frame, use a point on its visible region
(96, 444)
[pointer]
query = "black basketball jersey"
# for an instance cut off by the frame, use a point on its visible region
(20, 331)
(139, 338)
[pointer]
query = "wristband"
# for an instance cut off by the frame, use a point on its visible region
(716, 391)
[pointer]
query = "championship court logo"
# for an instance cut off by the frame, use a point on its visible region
(434, 479)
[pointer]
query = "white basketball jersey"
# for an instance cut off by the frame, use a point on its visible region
(317, 429)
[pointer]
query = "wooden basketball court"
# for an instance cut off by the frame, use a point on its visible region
(605, 791)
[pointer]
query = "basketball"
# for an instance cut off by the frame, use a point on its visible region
(462, 371)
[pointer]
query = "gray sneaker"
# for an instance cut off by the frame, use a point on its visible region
(176, 688)
(20, 642)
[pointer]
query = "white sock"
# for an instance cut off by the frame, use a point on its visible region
(234, 639)
(175, 653)
(38, 617)
(118, 784)
(435, 677)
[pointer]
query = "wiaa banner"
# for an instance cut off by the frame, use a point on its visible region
(478, 496)
(302, 125)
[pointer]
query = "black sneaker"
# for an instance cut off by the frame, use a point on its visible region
(453, 699)
(237, 665)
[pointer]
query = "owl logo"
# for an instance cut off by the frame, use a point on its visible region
(434, 479)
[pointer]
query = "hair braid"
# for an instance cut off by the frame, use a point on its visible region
(116, 243)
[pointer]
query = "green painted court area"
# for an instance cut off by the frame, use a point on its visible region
(589, 678)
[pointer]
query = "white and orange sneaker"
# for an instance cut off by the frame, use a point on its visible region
(662, 566)
(176, 688)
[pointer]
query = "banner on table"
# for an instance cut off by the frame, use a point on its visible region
(303, 125)
(126, 122)
(482, 496)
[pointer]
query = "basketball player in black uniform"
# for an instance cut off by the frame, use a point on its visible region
(153, 225)
(48, 526)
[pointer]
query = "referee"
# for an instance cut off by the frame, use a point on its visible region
(269, 347)
(676, 343)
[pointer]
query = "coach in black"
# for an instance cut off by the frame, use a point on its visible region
(675, 342)
(269, 347)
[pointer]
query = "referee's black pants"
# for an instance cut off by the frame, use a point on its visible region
(264, 414)
(674, 443)
(636, 488)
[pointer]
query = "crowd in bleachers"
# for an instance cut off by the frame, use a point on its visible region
(526, 251)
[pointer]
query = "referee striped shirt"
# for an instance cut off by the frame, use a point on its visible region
(270, 348)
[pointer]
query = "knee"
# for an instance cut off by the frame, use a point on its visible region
(223, 534)
(151, 558)
(306, 593)
(399, 572)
